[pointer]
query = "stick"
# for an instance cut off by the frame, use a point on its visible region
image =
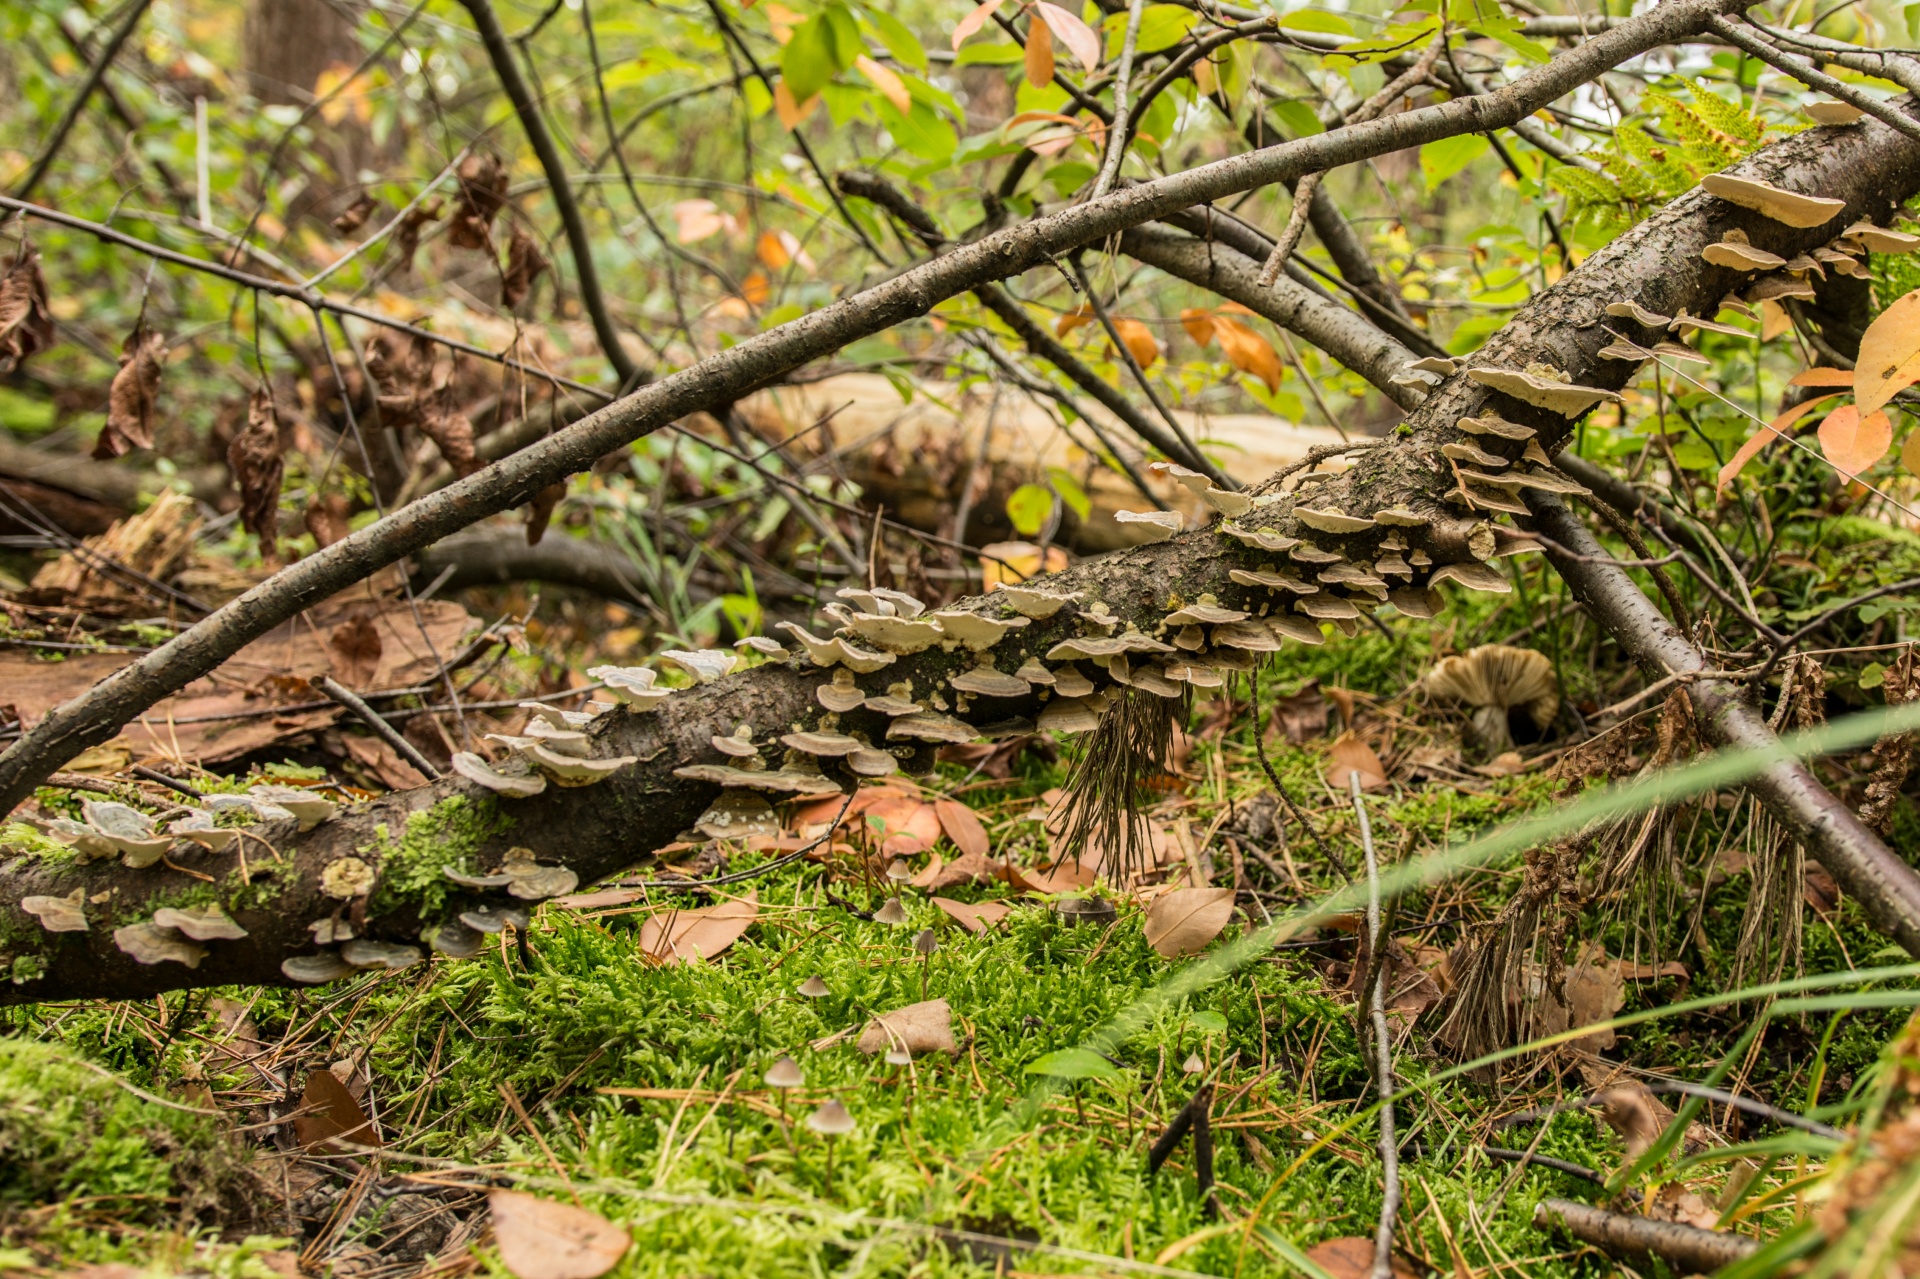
(1382, 1047)
(1182, 1122)
(1690, 1249)
(95, 73)
(1117, 131)
(381, 729)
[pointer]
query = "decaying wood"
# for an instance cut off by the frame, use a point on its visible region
(1689, 1249)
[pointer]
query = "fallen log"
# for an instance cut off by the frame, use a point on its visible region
(1688, 1249)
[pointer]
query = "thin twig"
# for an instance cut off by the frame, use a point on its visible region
(1117, 131)
(1787, 642)
(1266, 765)
(1813, 78)
(58, 138)
(373, 720)
(1382, 1046)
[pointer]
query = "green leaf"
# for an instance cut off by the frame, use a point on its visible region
(808, 61)
(845, 32)
(1913, 21)
(1074, 1063)
(1028, 507)
(1507, 32)
(991, 55)
(1298, 117)
(921, 132)
(1209, 1023)
(900, 42)
(1873, 674)
(1158, 122)
(1161, 26)
(1070, 492)
(1441, 160)
(1316, 20)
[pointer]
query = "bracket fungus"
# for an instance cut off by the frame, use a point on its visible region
(514, 778)
(637, 686)
(705, 665)
(1289, 626)
(1631, 310)
(1543, 389)
(763, 645)
(1204, 614)
(1068, 715)
(929, 727)
(739, 744)
(155, 944)
(1327, 608)
(126, 831)
(453, 939)
(202, 923)
(330, 930)
(309, 808)
(985, 681)
(1330, 521)
(197, 827)
(869, 761)
(822, 745)
(59, 914)
(1035, 671)
(1155, 526)
(1069, 681)
(1263, 539)
(1089, 647)
(1308, 553)
(1417, 601)
(555, 717)
(836, 651)
(738, 815)
(1401, 516)
(561, 741)
(1475, 577)
(1877, 239)
(1463, 451)
(571, 771)
(1037, 602)
(893, 706)
(529, 881)
(1272, 581)
(1252, 636)
(838, 695)
(895, 634)
(316, 970)
(1496, 679)
(779, 781)
(362, 953)
(976, 631)
(488, 919)
(1734, 251)
(1778, 204)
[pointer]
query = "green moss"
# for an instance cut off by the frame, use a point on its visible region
(448, 834)
(18, 837)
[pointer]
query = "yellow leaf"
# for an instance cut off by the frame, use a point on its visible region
(1248, 351)
(1774, 430)
(1012, 562)
(891, 86)
(1889, 354)
(1822, 377)
(1205, 77)
(1198, 324)
(792, 114)
(1140, 341)
(1774, 320)
(1910, 453)
(1853, 441)
(1039, 55)
(1183, 921)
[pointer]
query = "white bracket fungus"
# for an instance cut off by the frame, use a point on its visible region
(1155, 526)
(1776, 203)
(59, 914)
(1543, 392)
(150, 944)
(202, 923)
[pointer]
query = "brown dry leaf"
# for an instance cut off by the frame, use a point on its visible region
(451, 432)
(997, 759)
(355, 647)
(543, 1239)
(772, 251)
(1303, 716)
(326, 518)
(1351, 1257)
(333, 1115)
(1350, 755)
(975, 917)
(1248, 351)
(976, 19)
(1818, 888)
(26, 320)
(540, 510)
(406, 236)
(254, 458)
(1140, 341)
(1039, 59)
(963, 827)
(690, 936)
(483, 190)
(1910, 453)
(1060, 877)
(354, 216)
(131, 398)
(1854, 443)
(1774, 430)
(1185, 921)
(968, 868)
(382, 761)
(525, 264)
(906, 823)
(1774, 320)
(1635, 1114)
(1889, 354)
(1596, 991)
(918, 1028)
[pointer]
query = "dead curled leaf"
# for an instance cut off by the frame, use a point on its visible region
(332, 1115)
(254, 458)
(1184, 921)
(326, 518)
(525, 264)
(483, 190)
(1348, 756)
(962, 827)
(540, 510)
(1351, 1257)
(131, 398)
(544, 1239)
(918, 1028)
(26, 320)
(691, 936)
(354, 648)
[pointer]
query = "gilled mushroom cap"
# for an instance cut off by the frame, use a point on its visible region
(831, 1120)
(1494, 679)
(814, 988)
(785, 1073)
(891, 912)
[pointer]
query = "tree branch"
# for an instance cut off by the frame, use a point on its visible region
(49, 152)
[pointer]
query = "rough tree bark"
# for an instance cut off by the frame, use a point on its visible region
(725, 377)
(405, 839)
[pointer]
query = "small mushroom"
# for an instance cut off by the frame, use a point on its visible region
(831, 1120)
(814, 988)
(866, 601)
(1204, 614)
(513, 778)
(1777, 203)
(1330, 521)
(739, 744)
(1193, 1065)
(976, 631)
(1535, 386)
(985, 681)
(635, 685)
(152, 944)
(1068, 715)
(705, 665)
(1475, 577)
(927, 726)
(316, 970)
(331, 930)
(363, 953)
(785, 1074)
(345, 878)
(533, 882)
(822, 745)
(59, 914)
(738, 815)
(892, 912)
(1069, 682)
(1496, 679)
(202, 923)
(1535, 454)
(1154, 526)
(1037, 602)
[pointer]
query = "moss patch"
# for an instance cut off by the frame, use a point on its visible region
(451, 833)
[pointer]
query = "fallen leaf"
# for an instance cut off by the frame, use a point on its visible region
(131, 398)
(918, 1028)
(1854, 443)
(690, 936)
(1889, 359)
(1635, 1114)
(442, 421)
(1303, 716)
(544, 1239)
(1060, 877)
(1817, 886)
(383, 761)
(968, 868)
(1350, 755)
(1184, 921)
(354, 216)
(406, 236)
(334, 1116)
(326, 518)
(483, 191)
(975, 917)
(1351, 1257)
(525, 264)
(1039, 55)
(254, 458)
(963, 827)
(997, 759)
(1774, 430)
(355, 647)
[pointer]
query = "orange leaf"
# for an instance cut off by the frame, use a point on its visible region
(695, 220)
(1198, 324)
(1889, 359)
(544, 1239)
(1140, 341)
(792, 114)
(1774, 430)
(975, 917)
(1071, 320)
(1822, 377)
(690, 936)
(1248, 351)
(891, 86)
(1910, 453)
(962, 827)
(755, 288)
(1853, 443)
(772, 250)
(1774, 320)
(1075, 34)
(974, 21)
(1039, 55)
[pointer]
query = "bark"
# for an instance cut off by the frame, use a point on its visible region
(728, 375)
(1689, 1249)
(603, 829)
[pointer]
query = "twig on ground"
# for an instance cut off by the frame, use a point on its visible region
(373, 720)
(1382, 1047)
(1690, 1249)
